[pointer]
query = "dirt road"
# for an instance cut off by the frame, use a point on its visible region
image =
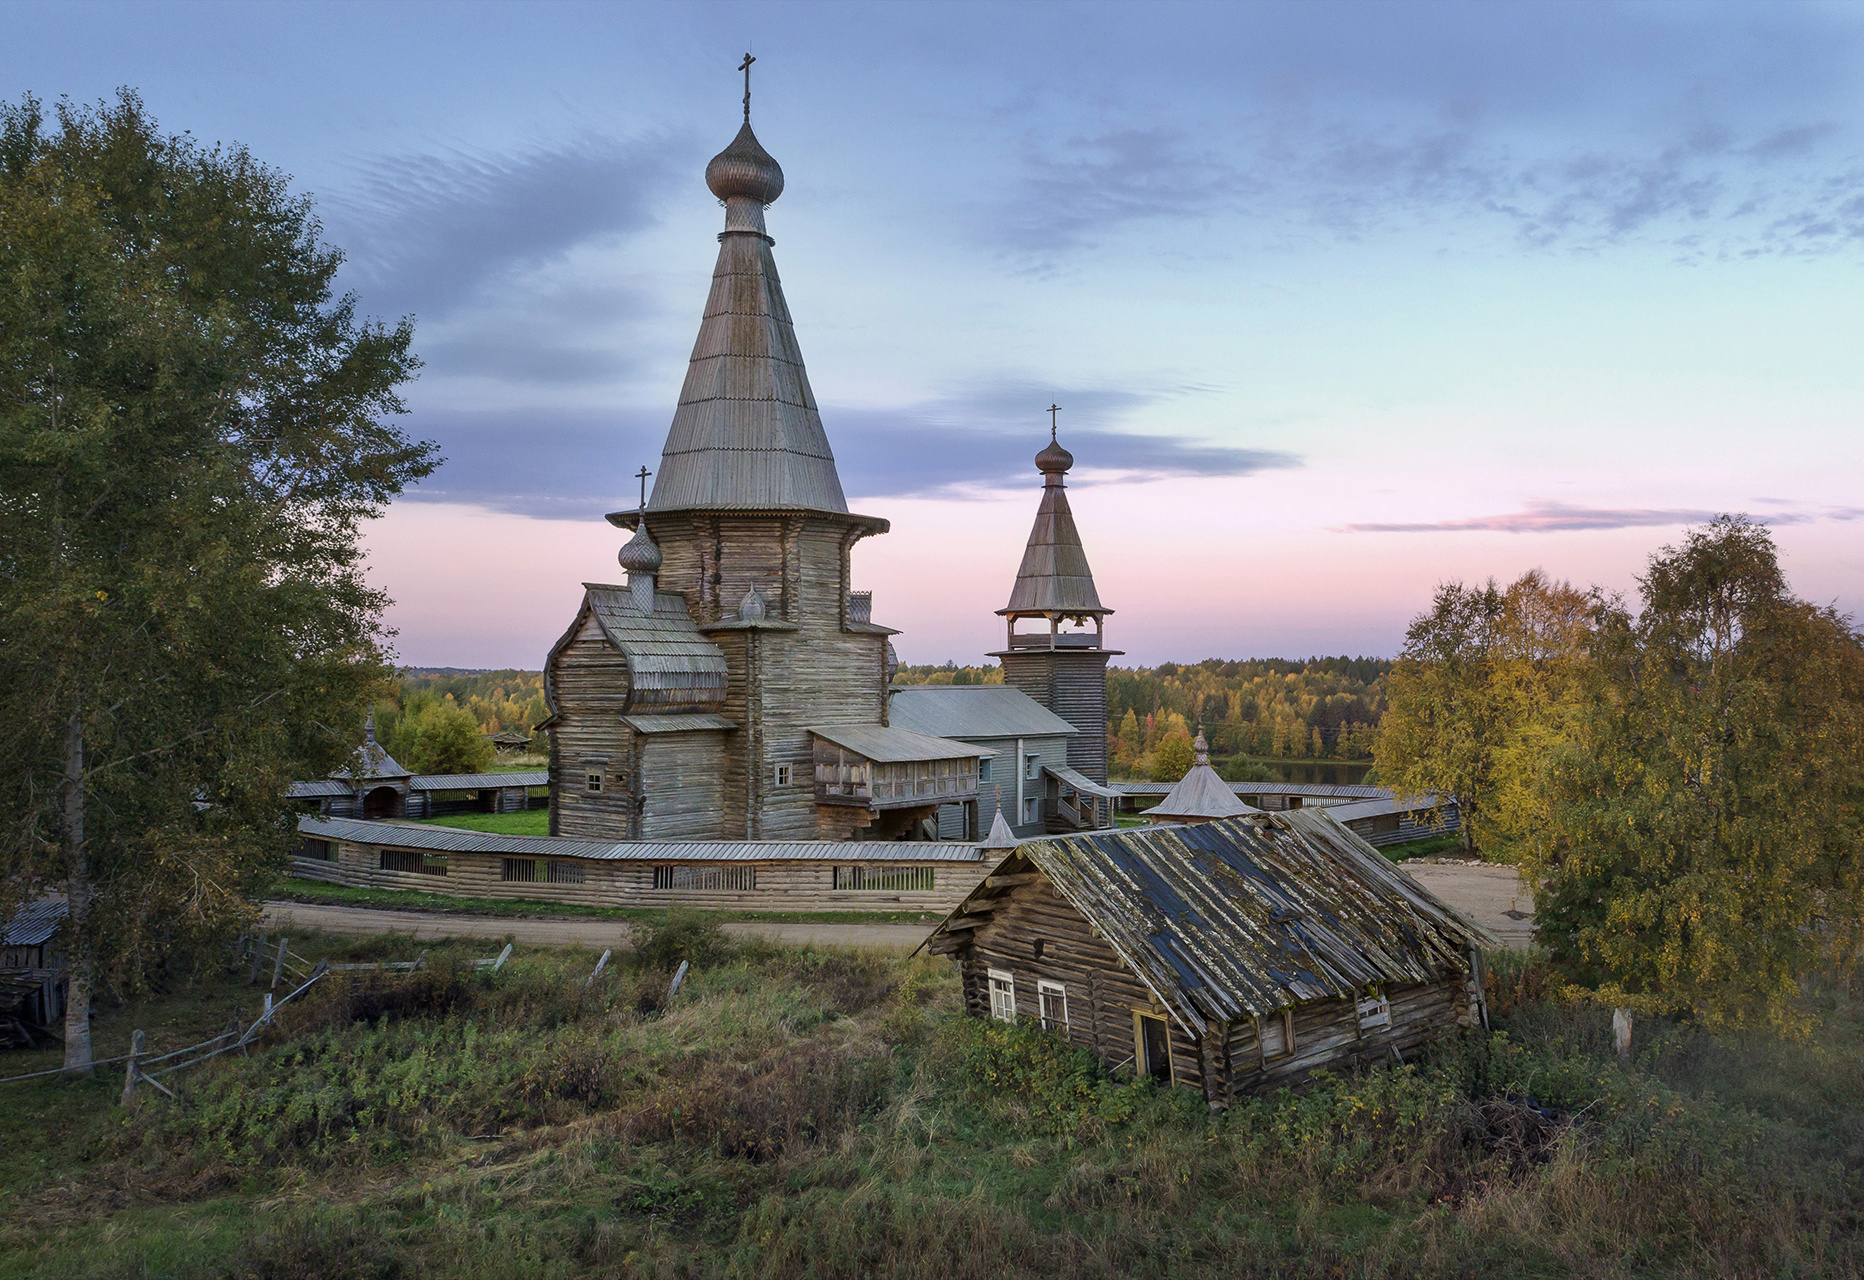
(1484, 893)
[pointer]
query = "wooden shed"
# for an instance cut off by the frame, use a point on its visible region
(32, 971)
(1228, 957)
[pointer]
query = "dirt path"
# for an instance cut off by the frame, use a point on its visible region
(1485, 893)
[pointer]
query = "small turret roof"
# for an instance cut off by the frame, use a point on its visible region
(1054, 577)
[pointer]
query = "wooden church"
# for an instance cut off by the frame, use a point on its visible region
(736, 686)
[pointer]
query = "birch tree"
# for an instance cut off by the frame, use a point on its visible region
(192, 428)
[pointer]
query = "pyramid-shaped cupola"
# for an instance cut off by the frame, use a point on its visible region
(1054, 581)
(746, 435)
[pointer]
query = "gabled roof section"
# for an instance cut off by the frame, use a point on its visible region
(972, 711)
(1054, 577)
(1235, 919)
(376, 762)
(746, 434)
(887, 745)
(670, 664)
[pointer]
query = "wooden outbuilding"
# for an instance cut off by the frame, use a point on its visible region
(1228, 956)
(32, 971)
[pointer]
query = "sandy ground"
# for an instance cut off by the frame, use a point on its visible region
(1483, 893)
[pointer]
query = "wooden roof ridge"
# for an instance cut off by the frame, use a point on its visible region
(747, 434)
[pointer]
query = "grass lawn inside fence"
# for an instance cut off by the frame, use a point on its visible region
(525, 822)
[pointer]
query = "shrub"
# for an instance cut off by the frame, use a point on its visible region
(692, 936)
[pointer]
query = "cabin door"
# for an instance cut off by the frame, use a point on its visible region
(1154, 1048)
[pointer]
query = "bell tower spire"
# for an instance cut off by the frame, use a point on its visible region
(1065, 671)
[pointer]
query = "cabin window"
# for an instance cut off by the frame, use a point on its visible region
(1038, 947)
(1374, 1011)
(783, 773)
(1152, 1047)
(592, 782)
(566, 873)
(1030, 765)
(1053, 998)
(1002, 996)
(519, 870)
(431, 864)
(897, 879)
(983, 769)
(1032, 811)
(734, 879)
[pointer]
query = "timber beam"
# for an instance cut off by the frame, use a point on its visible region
(1012, 881)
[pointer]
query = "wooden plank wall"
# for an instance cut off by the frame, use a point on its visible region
(1073, 684)
(792, 885)
(682, 780)
(1326, 1034)
(590, 679)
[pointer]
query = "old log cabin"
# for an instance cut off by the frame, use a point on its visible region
(1228, 956)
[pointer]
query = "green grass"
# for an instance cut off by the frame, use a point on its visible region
(525, 822)
(820, 1113)
(295, 889)
(1429, 847)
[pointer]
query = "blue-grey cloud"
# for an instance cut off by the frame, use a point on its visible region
(579, 464)
(426, 233)
(1560, 517)
(1710, 190)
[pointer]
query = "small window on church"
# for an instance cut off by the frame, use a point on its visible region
(1032, 811)
(784, 775)
(1031, 764)
(983, 769)
(594, 782)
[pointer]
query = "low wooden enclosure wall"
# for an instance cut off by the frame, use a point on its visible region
(790, 884)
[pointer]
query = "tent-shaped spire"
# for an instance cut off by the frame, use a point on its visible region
(746, 434)
(1201, 795)
(376, 762)
(1054, 579)
(999, 840)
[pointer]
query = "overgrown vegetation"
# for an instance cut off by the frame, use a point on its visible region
(830, 1114)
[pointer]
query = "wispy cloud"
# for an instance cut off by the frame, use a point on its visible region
(1706, 191)
(1560, 517)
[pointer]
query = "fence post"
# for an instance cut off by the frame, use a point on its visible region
(502, 957)
(679, 976)
(279, 964)
(132, 1068)
(599, 966)
(258, 956)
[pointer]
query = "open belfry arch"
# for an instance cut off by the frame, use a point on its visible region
(684, 704)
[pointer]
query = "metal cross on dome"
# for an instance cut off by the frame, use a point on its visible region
(1052, 411)
(642, 475)
(745, 67)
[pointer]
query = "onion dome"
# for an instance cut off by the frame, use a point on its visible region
(640, 555)
(752, 608)
(1200, 748)
(1054, 460)
(745, 169)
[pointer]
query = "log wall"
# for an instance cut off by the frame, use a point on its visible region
(591, 683)
(781, 885)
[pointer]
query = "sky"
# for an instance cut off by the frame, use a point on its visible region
(1339, 301)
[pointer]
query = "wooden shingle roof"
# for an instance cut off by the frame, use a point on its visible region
(1239, 918)
(1054, 577)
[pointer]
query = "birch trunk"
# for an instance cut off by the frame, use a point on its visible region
(78, 901)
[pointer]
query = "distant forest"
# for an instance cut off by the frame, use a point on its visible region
(1262, 708)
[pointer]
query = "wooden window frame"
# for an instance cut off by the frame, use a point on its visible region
(566, 873)
(1045, 989)
(783, 775)
(508, 871)
(1372, 1011)
(1139, 1046)
(592, 781)
(991, 978)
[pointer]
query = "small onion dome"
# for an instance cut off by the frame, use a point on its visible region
(1201, 747)
(752, 608)
(745, 169)
(1054, 460)
(640, 555)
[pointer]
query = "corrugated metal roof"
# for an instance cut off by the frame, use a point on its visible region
(1342, 789)
(1080, 782)
(969, 712)
(35, 923)
(678, 724)
(396, 835)
(1200, 794)
(1226, 920)
(1383, 808)
(318, 790)
(746, 434)
(478, 781)
(888, 745)
(1054, 577)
